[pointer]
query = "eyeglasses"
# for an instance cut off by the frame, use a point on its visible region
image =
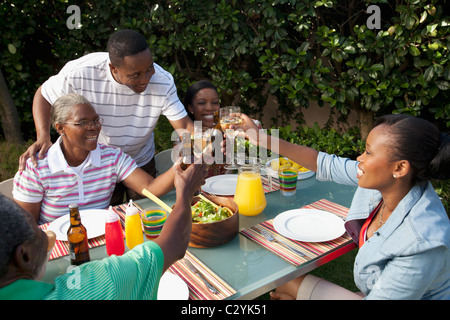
(86, 124)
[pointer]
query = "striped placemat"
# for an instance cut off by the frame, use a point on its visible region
(311, 250)
(197, 289)
(61, 248)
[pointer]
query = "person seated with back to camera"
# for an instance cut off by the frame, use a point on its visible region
(131, 276)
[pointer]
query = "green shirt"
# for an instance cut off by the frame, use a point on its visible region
(132, 276)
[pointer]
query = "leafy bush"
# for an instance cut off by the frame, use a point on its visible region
(348, 144)
(296, 50)
(9, 158)
(163, 135)
(443, 190)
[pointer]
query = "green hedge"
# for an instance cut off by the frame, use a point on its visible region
(348, 144)
(297, 50)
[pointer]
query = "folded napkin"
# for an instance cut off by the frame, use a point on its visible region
(197, 289)
(311, 250)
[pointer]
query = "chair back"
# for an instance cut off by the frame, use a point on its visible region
(163, 161)
(6, 187)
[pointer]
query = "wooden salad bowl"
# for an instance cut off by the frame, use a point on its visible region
(212, 234)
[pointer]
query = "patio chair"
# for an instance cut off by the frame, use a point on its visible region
(6, 187)
(163, 161)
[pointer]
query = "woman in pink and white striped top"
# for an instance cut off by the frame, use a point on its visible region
(77, 169)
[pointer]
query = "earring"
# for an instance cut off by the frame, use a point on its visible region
(395, 176)
(62, 134)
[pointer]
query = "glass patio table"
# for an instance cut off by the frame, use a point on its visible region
(245, 265)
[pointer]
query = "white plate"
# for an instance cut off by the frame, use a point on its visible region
(301, 175)
(310, 225)
(224, 184)
(92, 219)
(172, 287)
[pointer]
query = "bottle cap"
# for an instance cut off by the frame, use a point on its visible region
(111, 216)
(73, 205)
(131, 209)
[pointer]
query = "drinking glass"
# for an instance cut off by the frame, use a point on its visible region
(230, 115)
(153, 220)
(288, 181)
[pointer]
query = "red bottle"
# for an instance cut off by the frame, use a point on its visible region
(114, 234)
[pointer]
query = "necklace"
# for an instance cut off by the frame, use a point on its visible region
(381, 222)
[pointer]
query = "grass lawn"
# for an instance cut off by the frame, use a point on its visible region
(338, 271)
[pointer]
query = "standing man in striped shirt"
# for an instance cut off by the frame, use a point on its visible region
(127, 89)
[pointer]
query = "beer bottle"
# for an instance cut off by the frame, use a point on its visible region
(77, 237)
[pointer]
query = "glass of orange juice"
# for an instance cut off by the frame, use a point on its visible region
(249, 195)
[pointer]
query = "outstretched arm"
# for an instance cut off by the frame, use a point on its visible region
(139, 179)
(175, 234)
(305, 156)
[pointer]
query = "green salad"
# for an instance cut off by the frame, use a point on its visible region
(204, 212)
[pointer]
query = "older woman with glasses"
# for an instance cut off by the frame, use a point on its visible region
(77, 169)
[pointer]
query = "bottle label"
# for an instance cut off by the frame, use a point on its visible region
(79, 252)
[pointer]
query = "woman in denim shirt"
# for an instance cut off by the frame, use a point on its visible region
(396, 217)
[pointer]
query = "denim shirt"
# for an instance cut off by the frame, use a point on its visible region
(408, 257)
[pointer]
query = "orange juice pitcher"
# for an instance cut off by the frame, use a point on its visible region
(249, 195)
